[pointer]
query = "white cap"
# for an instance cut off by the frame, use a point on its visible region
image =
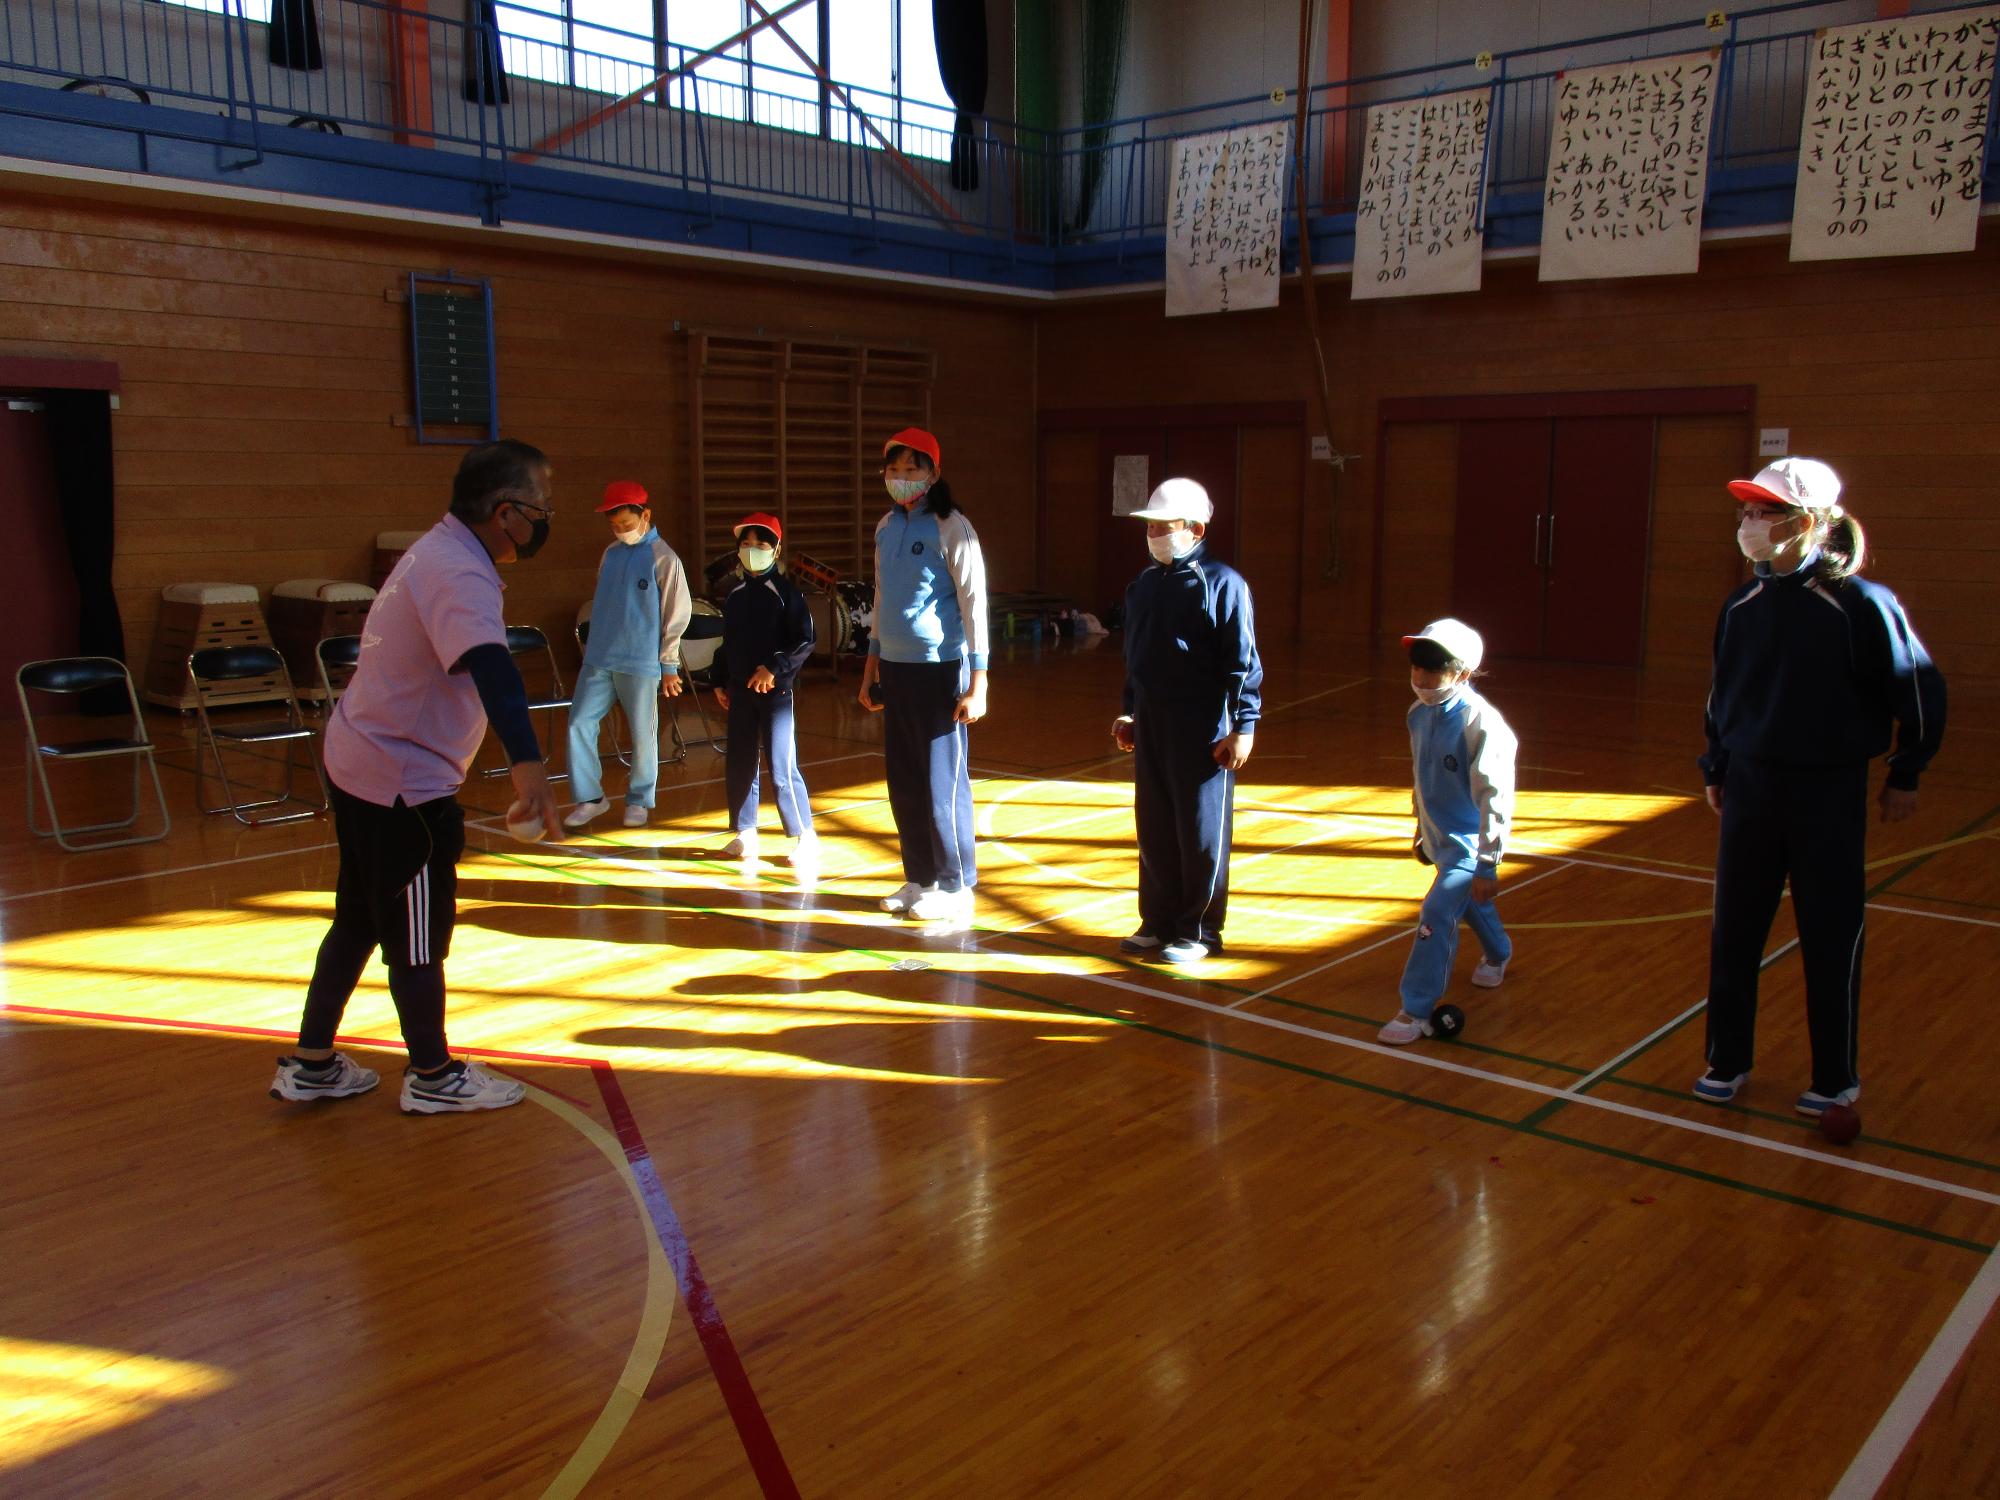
(1804, 483)
(1458, 639)
(1176, 500)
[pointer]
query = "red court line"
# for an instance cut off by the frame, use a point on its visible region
(752, 1427)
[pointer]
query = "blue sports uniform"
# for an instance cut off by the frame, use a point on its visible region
(1192, 677)
(1810, 675)
(765, 623)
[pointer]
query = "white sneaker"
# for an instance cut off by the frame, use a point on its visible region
(805, 852)
(952, 908)
(583, 812)
(1402, 1031)
(742, 845)
(465, 1086)
(343, 1079)
(1488, 976)
(905, 896)
(637, 816)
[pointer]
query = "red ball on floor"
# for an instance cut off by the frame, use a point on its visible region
(1840, 1123)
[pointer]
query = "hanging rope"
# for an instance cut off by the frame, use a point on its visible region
(1308, 299)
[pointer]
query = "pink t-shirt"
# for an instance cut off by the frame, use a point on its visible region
(408, 726)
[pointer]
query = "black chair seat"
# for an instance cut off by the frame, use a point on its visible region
(263, 733)
(80, 748)
(74, 674)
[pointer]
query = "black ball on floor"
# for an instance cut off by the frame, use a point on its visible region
(1447, 1022)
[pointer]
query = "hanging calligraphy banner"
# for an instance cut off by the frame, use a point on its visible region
(1628, 168)
(1417, 227)
(1893, 141)
(1224, 222)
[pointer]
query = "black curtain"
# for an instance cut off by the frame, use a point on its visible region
(959, 27)
(80, 437)
(485, 78)
(295, 36)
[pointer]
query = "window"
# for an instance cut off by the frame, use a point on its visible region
(602, 45)
(249, 10)
(885, 56)
(785, 91)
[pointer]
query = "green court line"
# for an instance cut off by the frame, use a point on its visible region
(1799, 1122)
(1325, 1075)
(1555, 1106)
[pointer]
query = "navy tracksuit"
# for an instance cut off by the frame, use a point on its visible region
(765, 623)
(1809, 674)
(1191, 677)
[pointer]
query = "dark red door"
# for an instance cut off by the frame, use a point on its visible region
(1597, 539)
(1502, 522)
(36, 577)
(1121, 541)
(1207, 455)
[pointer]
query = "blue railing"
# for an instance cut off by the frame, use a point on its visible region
(731, 137)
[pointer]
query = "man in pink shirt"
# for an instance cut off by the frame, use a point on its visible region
(434, 670)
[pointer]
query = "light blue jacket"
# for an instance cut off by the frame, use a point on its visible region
(930, 588)
(640, 609)
(1463, 760)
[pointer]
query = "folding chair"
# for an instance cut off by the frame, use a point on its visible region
(223, 670)
(528, 641)
(336, 656)
(702, 666)
(69, 677)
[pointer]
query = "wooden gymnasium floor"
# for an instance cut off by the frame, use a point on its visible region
(806, 1202)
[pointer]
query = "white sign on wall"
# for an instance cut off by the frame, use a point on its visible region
(1129, 487)
(1224, 220)
(1628, 168)
(1893, 141)
(1417, 226)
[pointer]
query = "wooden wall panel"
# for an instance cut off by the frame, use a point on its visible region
(1695, 562)
(265, 366)
(1889, 370)
(1420, 468)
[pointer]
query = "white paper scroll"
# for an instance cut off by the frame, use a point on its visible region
(1416, 227)
(1628, 168)
(1892, 144)
(1223, 224)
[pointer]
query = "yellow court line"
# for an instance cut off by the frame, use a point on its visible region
(655, 1316)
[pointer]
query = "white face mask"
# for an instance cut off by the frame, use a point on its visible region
(633, 537)
(1172, 547)
(1434, 695)
(1754, 539)
(756, 559)
(907, 491)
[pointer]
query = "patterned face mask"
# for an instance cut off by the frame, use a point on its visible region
(907, 491)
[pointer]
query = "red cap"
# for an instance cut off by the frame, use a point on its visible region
(918, 439)
(764, 519)
(623, 492)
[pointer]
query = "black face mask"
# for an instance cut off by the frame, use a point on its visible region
(538, 533)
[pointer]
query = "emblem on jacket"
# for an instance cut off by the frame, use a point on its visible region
(1451, 762)
(916, 548)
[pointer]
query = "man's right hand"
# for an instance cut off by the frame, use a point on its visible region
(1121, 733)
(532, 791)
(1714, 794)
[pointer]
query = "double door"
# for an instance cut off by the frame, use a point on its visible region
(1550, 545)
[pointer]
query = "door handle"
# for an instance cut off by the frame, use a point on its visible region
(1537, 557)
(1552, 544)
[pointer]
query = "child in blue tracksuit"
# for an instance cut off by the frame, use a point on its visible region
(1193, 700)
(1463, 755)
(1813, 664)
(633, 654)
(767, 635)
(926, 673)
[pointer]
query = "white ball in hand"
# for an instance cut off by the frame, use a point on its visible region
(524, 825)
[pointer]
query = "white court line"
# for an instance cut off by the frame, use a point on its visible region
(1315, 697)
(1885, 1445)
(1641, 1045)
(1396, 936)
(1589, 1101)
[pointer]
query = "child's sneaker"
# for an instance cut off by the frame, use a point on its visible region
(1718, 1087)
(1814, 1105)
(583, 812)
(742, 845)
(1489, 975)
(461, 1087)
(942, 908)
(336, 1078)
(1402, 1031)
(637, 816)
(805, 852)
(1184, 951)
(905, 896)
(1141, 941)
